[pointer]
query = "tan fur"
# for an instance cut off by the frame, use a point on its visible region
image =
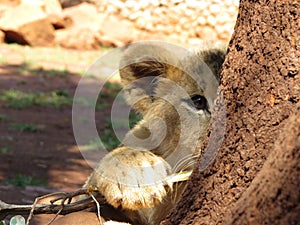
(132, 177)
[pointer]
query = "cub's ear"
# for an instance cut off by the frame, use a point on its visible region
(140, 67)
(146, 60)
(213, 54)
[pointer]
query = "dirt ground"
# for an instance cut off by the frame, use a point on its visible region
(47, 159)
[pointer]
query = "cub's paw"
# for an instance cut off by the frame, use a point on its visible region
(131, 179)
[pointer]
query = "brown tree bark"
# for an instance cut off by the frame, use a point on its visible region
(255, 177)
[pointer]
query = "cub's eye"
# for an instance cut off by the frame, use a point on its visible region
(199, 102)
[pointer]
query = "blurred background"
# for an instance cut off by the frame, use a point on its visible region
(46, 46)
(87, 25)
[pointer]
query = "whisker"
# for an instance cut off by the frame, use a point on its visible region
(188, 165)
(182, 161)
(185, 161)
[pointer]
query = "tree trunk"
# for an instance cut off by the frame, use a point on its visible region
(255, 177)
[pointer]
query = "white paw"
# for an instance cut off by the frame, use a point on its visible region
(131, 179)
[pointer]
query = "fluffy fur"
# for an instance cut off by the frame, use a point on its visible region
(133, 176)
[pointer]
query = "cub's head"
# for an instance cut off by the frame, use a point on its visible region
(174, 89)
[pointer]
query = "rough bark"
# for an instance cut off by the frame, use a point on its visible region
(274, 194)
(253, 179)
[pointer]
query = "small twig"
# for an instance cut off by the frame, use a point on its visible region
(36, 201)
(68, 195)
(98, 208)
(32, 210)
(56, 215)
(88, 202)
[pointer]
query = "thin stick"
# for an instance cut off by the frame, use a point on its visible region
(11, 209)
(56, 215)
(98, 209)
(32, 210)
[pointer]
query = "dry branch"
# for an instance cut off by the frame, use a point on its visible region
(62, 197)
(51, 208)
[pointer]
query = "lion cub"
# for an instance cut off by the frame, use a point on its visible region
(174, 91)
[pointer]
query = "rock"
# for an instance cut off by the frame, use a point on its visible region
(206, 33)
(10, 2)
(84, 15)
(117, 32)
(82, 39)
(84, 32)
(201, 20)
(2, 37)
(60, 21)
(195, 42)
(215, 9)
(88, 24)
(48, 6)
(70, 3)
(141, 22)
(37, 33)
(30, 26)
(52, 7)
